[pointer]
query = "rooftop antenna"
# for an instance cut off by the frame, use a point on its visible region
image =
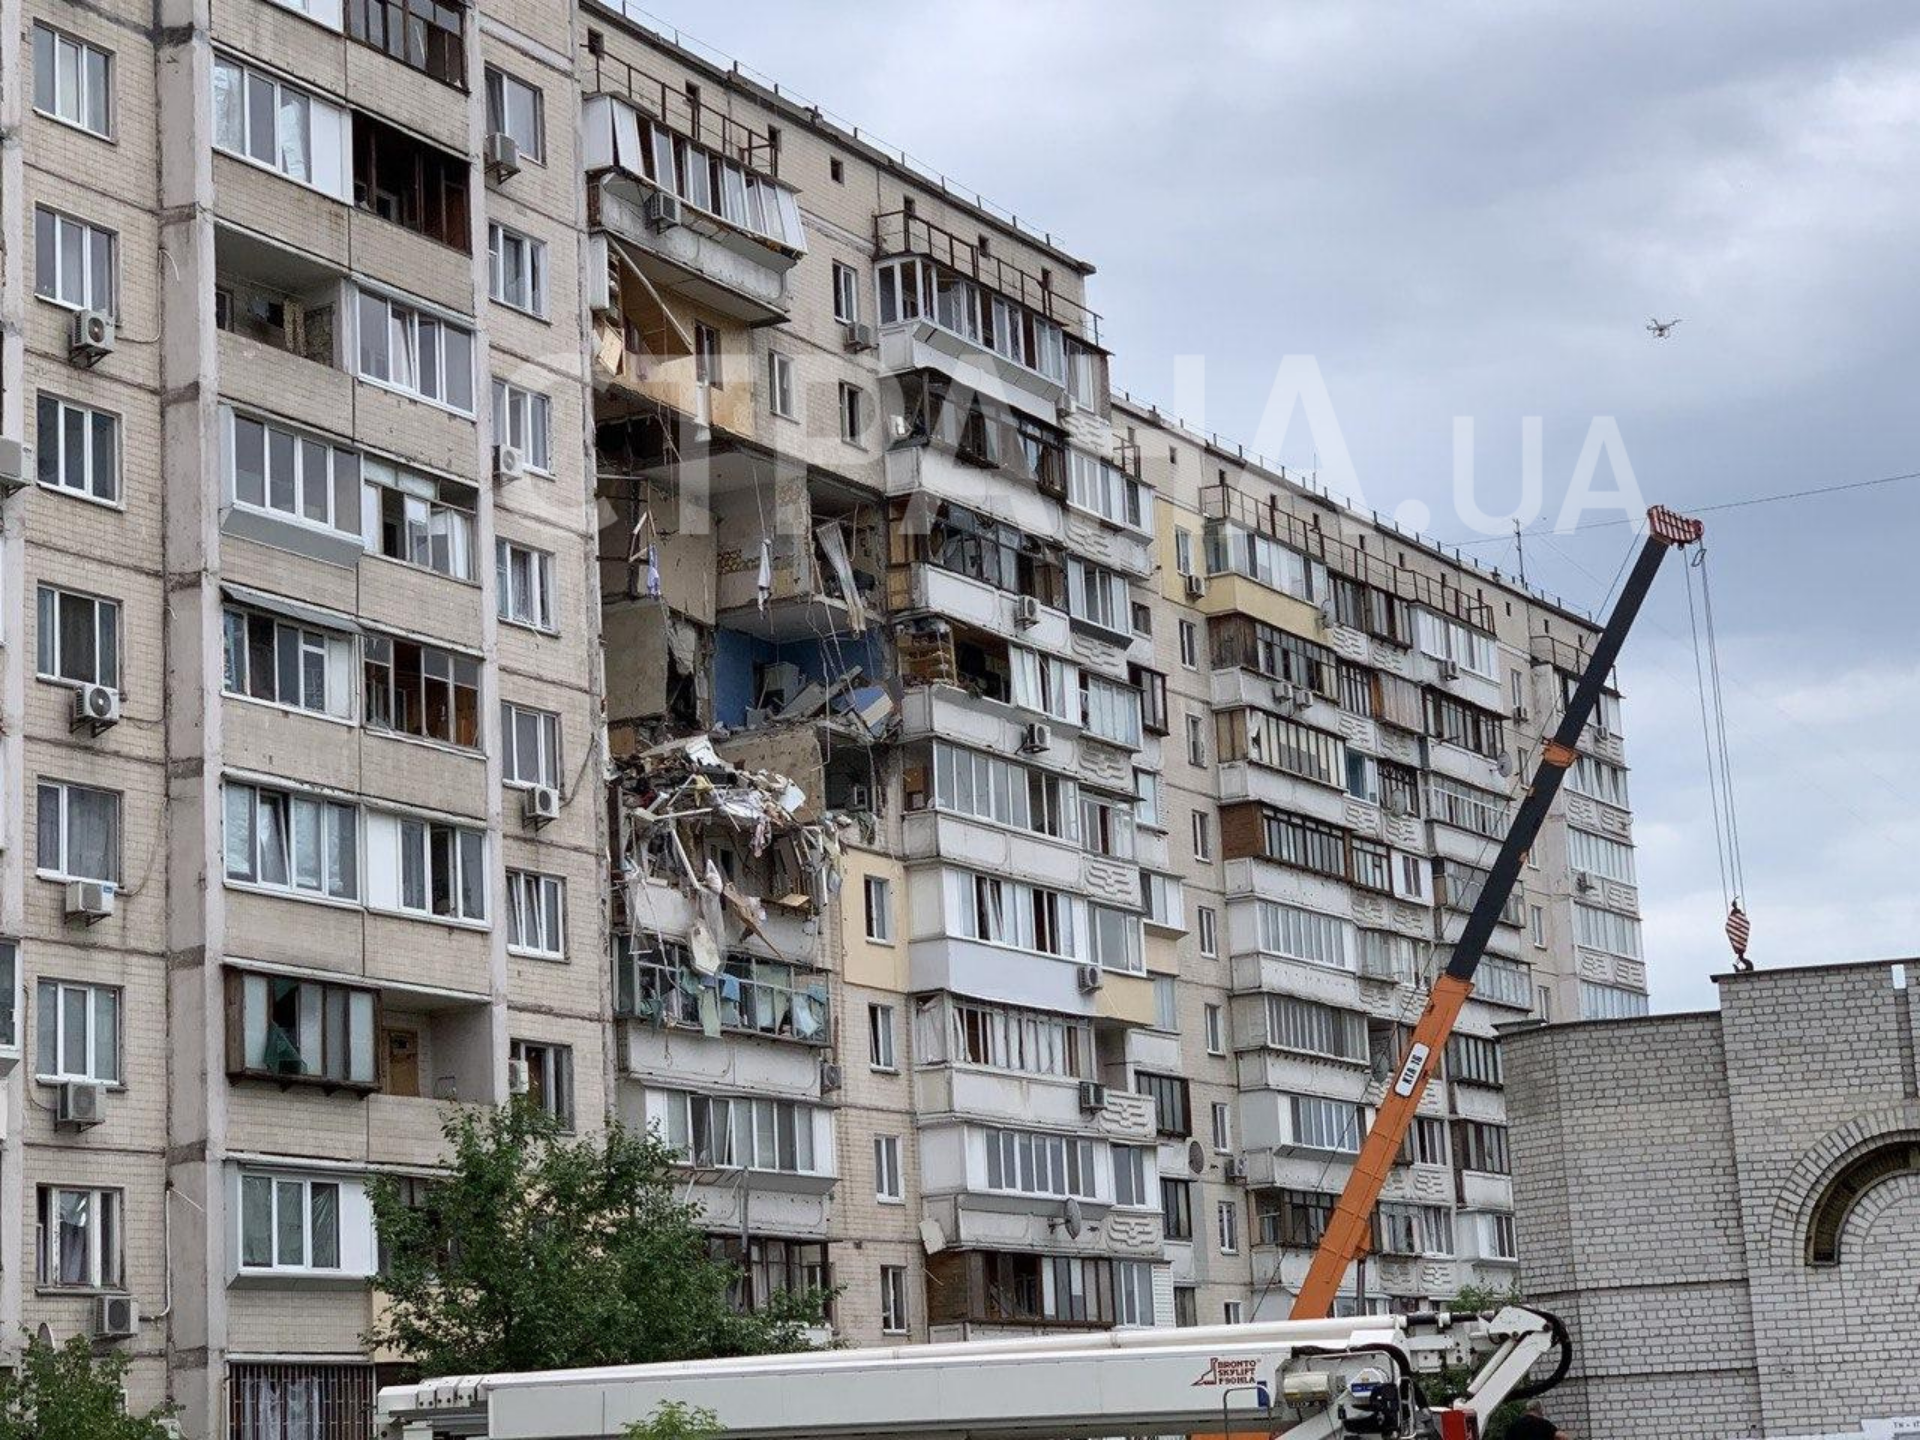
(1520, 549)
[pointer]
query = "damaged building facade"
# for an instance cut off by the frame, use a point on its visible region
(536, 565)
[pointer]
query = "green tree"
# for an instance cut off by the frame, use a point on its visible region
(674, 1421)
(1444, 1388)
(67, 1392)
(539, 1252)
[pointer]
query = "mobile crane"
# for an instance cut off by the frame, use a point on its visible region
(1306, 1380)
(1348, 1231)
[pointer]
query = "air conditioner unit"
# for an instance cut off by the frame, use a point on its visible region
(1302, 698)
(95, 707)
(540, 805)
(1521, 714)
(13, 466)
(502, 156)
(1449, 670)
(1093, 1095)
(1234, 1168)
(82, 1104)
(1583, 882)
(89, 900)
(859, 336)
(115, 1317)
(1283, 697)
(663, 210)
(1091, 979)
(860, 797)
(832, 1077)
(91, 339)
(1035, 739)
(1196, 587)
(519, 1078)
(1026, 612)
(508, 463)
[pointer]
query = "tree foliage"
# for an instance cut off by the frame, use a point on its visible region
(1448, 1385)
(67, 1392)
(675, 1421)
(540, 1252)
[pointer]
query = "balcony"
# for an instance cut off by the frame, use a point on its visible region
(685, 193)
(1011, 1291)
(801, 562)
(766, 999)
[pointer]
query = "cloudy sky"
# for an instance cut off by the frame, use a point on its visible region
(1472, 210)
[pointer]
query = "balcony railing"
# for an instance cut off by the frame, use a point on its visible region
(1222, 501)
(748, 997)
(679, 111)
(897, 232)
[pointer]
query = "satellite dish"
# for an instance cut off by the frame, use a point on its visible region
(1505, 765)
(1196, 1157)
(1076, 1221)
(932, 1238)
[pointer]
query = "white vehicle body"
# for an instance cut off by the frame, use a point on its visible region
(1304, 1379)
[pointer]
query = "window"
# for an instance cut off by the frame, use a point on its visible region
(878, 891)
(1474, 1059)
(780, 399)
(853, 413)
(1207, 923)
(1182, 548)
(79, 638)
(281, 1400)
(1131, 1174)
(1598, 780)
(893, 1299)
(1610, 1002)
(282, 662)
(1202, 836)
(1098, 597)
(549, 1077)
(1446, 639)
(706, 355)
(1166, 1004)
(1401, 1229)
(1028, 1162)
(1189, 645)
(1496, 1237)
(294, 475)
(1306, 843)
(881, 1051)
(886, 1169)
(1426, 1142)
(79, 1031)
(739, 1133)
(1173, 1117)
(421, 690)
(72, 80)
(1480, 1146)
(846, 294)
(1306, 935)
(289, 1223)
(1231, 1312)
(77, 449)
(1296, 1219)
(517, 270)
(79, 832)
(1025, 1041)
(516, 108)
(1176, 1208)
(523, 584)
(1011, 912)
(80, 1233)
(75, 264)
(10, 1005)
(1106, 826)
(1322, 1124)
(425, 35)
(1454, 722)
(523, 419)
(1222, 1127)
(261, 118)
(1480, 811)
(536, 910)
(1606, 930)
(1113, 940)
(426, 867)
(1153, 698)
(287, 841)
(405, 348)
(305, 1030)
(412, 184)
(1110, 710)
(1599, 855)
(1146, 799)
(1228, 1218)
(1108, 491)
(1186, 1306)
(1196, 740)
(1216, 1029)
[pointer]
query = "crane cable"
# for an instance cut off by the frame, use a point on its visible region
(1713, 735)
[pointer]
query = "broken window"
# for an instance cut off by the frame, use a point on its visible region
(420, 519)
(425, 35)
(415, 185)
(422, 690)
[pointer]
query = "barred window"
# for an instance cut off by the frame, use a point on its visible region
(278, 1401)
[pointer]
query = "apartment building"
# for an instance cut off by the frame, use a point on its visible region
(544, 565)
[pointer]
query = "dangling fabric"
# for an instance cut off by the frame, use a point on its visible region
(763, 582)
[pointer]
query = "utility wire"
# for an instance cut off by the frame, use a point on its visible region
(1695, 509)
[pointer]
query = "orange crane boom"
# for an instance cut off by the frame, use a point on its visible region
(1348, 1232)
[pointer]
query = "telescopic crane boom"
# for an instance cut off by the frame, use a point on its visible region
(1348, 1231)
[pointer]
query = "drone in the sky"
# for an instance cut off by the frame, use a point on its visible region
(1661, 329)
